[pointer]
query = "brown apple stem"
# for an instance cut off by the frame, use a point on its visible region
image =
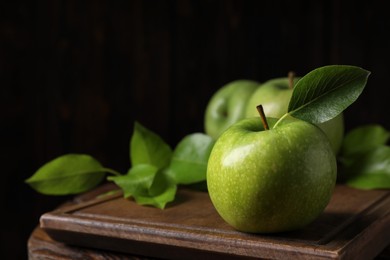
(291, 75)
(262, 116)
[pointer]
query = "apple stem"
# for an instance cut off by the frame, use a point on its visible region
(262, 116)
(291, 75)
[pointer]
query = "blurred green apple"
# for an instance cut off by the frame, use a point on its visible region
(227, 106)
(266, 181)
(275, 95)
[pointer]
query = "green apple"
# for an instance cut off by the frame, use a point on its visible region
(275, 95)
(227, 106)
(266, 181)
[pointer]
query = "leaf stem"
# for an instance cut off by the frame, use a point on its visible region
(113, 172)
(262, 116)
(280, 120)
(291, 75)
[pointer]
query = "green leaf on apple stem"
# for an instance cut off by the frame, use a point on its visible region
(372, 170)
(190, 157)
(68, 174)
(325, 92)
(147, 184)
(146, 147)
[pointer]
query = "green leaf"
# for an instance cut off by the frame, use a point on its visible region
(138, 180)
(67, 174)
(162, 191)
(371, 171)
(370, 181)
(190, 157)
(147, 185)
(358, 143)
(325, 92)
(148, 148)
(364, 138)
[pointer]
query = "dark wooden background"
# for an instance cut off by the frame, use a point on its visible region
(75, 75)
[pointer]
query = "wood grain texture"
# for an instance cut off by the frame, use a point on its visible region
(41, 246)
(355, 225)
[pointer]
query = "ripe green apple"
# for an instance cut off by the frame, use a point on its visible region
(227, 106)
(266, 181)
(275, 95)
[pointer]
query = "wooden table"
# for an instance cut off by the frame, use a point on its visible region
(355, 225)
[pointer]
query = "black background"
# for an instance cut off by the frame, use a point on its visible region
(75, 75)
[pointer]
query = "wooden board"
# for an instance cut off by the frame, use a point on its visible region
(355, 225)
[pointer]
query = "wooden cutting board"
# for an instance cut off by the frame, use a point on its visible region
(355, 225)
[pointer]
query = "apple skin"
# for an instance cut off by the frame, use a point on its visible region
(227, 106)
(275, 94)
(334, 129)
(267, 181)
